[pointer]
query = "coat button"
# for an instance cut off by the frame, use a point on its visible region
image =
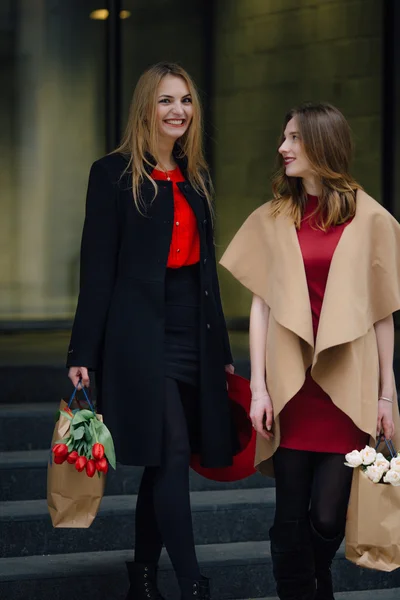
(186, 187)
(208, 326)
(206, 293)
(178, 250)
(204, 261)
(177, 223)
(205, 222)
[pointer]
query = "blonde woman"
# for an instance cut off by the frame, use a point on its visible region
(149, 319)
(323, 262)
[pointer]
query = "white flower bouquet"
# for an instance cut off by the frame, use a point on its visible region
(375, 465)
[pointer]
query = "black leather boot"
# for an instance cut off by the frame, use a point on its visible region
(324, 553)
(143, 578)
(195, 589)
(293, 560)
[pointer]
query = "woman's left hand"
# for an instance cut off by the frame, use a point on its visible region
(385, 419)
(230, 369)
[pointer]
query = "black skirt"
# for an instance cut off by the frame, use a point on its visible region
(182, 324)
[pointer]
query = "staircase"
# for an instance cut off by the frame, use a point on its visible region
(37, 562)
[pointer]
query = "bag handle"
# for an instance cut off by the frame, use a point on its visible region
(389, 445)
(84, 393)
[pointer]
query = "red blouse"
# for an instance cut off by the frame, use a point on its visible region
(184, 249)
(310, 420)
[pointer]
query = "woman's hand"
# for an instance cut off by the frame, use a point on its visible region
(77, 373)
(230, 369)
(262, 414)
(385, 419)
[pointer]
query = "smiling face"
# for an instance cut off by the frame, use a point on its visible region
(174, 107)
(293, 153)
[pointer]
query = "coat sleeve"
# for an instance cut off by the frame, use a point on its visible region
(384, 281)
(248, 256)
(228, 359)
(98, 261)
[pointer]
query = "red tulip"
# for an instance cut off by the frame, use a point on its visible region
(59, 460)
(72, 457)
(102, 465)
(80, 463)
(60, 450)
(98, 451)
(90, 468)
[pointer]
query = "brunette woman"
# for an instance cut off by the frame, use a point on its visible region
(323, 262)
(149, 319)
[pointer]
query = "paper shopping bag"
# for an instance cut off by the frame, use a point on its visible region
(73, 498)
(373, 524)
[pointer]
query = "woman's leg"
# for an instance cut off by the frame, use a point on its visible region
(171, 488)
(291, 546)
(148, 543)
(329, 501)
(148, 540)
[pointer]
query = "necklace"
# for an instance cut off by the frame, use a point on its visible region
(166, 172)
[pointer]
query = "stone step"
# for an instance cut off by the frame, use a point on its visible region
(393, 594)
(239, 570)
(218, 517)
(27, 426)
(33, 383)
(23, 476)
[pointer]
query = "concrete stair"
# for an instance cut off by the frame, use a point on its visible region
(218, 517)
(231, 521)
(392, 594)
(241, 569)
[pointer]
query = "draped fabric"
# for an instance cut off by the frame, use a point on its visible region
(363, 287)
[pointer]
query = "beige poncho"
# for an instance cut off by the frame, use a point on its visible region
(363, 287)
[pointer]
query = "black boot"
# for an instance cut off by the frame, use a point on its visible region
(143, 578)
(324, 552)
(195, 589)
(293, 560)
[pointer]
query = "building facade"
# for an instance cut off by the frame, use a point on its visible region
(68, 71)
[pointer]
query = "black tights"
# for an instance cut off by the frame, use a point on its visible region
(315, 485)
(163, 512)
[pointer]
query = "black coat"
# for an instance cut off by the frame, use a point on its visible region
(119, 323)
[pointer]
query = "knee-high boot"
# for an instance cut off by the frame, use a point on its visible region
(143, 580)
(195, 589)
(293, 560)
(324, 553)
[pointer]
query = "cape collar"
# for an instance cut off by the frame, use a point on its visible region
(341, 321)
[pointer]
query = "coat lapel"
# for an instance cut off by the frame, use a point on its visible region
(195, 200)
(345, 313)
(291, 300)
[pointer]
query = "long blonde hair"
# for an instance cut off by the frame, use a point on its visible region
(327, 142)
(140, 140)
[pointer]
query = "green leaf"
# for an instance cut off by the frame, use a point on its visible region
(78, 433)
(63, 441)
(98, 424)
(81, 416)
(93, 430)
(105, 438)
(88, 435)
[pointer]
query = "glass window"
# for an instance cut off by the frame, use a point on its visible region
(51, 130)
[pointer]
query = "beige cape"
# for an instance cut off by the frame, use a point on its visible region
(363, 287)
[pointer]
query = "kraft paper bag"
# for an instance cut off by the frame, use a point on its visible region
(373, 524)
(73, 498)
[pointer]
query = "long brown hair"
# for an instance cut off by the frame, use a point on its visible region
(140, 140)
(327, 141)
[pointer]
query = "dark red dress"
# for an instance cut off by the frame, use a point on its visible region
(310, 421)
